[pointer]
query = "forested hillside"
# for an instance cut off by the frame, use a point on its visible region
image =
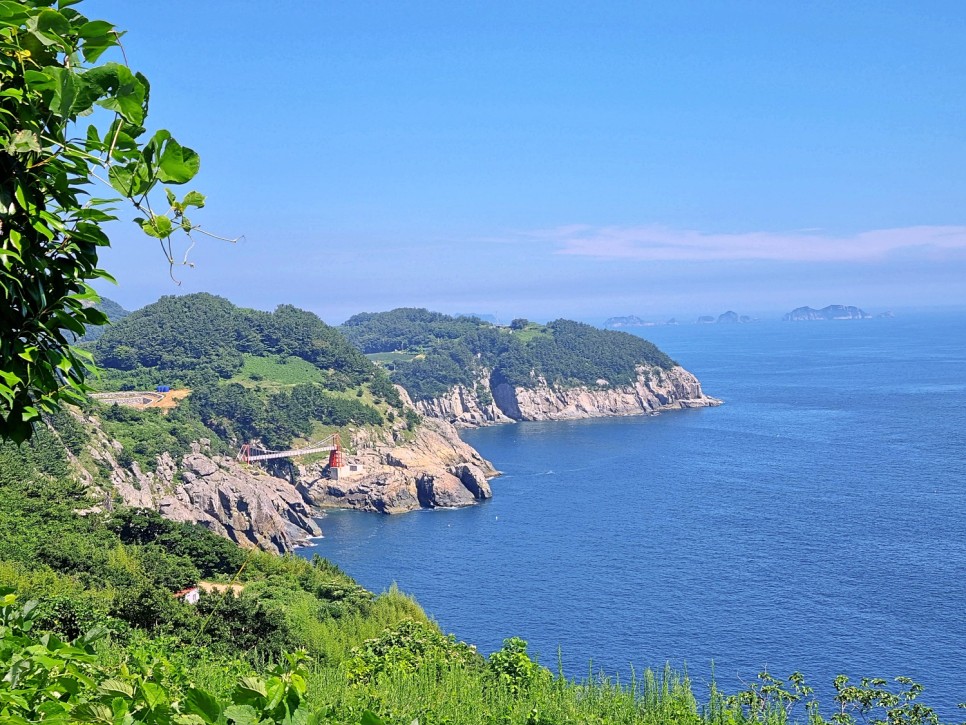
(270, 375)
(191, 337)
(436, 351)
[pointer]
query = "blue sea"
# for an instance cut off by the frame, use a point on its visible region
(815, 522)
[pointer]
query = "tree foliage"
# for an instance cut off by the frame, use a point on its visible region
(50, 217)
(456, 350)
(187, 339)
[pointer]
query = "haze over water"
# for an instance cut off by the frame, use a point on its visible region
(814, 522)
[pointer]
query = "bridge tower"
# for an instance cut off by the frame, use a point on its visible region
(335, 455)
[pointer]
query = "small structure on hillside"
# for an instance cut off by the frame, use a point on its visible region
(339, 468)
(346, 471)
(191, 595)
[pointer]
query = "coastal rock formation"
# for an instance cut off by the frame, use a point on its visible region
(654, 390)
(426, 468)
(242, 503)
(464, 408)
(832, 312)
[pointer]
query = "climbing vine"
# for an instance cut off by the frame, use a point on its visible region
(51, 209)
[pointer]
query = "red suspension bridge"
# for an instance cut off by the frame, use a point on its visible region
(251, 452)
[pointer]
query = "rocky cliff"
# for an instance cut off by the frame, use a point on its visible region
(429, 467)
(654, 390)
(401, 470)
(242, 503)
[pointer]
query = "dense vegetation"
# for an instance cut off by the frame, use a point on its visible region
(67, 120)
(269, 375)
(445, 351)
(180, 340)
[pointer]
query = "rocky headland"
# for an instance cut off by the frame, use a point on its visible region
(655, 390)
(400, 470)
(431, 468)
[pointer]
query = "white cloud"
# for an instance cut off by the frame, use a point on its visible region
(658, 243)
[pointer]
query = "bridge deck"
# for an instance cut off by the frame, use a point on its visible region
(288, 454)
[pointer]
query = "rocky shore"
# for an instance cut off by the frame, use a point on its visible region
(655, 390)
(394, 469)
(401, 470)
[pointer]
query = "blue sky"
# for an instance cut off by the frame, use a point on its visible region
(548, 159)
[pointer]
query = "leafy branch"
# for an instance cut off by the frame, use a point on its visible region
(51, 225)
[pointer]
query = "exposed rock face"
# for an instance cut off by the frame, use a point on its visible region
(832, 312)
(242, 503)
(426, 468)
(654, 390)
(463, 408)
(429, 467)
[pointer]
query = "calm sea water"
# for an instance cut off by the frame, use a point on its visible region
(815, 522)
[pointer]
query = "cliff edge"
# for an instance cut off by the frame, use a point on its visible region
(426, 468)
(654, 390)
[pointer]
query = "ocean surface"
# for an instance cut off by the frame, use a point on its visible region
(815, 522)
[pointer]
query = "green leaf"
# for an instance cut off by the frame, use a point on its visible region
(116, 688)
(93, 141)
(370, 718)
(158, 227)
(193, 198)
(154, 694)
(10, 378)
(242, 715)
(178, 164)
(130, 179)
(276, 692)
(202, 704)
(13, 13)
(94, 29)
(97, 39)
(125, 92)
(53, 25)
(251, 687)
(94, 84)
(65, 90)
(93, 712)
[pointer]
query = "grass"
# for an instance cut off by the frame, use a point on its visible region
(531, 331)
(467, 696)
(271, 372)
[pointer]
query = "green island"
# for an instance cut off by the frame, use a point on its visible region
(113, 613)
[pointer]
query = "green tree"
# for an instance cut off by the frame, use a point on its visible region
(50, 218)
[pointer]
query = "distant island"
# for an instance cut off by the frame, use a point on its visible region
(725, 318)
(616, 323)
(832, 312)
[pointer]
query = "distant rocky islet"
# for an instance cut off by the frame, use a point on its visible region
(799, 314)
